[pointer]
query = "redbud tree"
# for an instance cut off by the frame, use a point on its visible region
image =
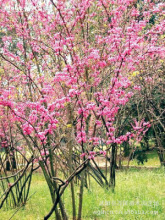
(65, 68)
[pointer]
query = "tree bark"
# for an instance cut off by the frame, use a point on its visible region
(112, 166)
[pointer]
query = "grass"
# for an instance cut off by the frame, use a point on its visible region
(152, 161)
(139, 194)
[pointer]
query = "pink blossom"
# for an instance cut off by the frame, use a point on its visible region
(27, 128)
(103, 152)
(91, 157)
(83, 155)
(137, 88)
(41, 135)
(19, 148)
(44, 152)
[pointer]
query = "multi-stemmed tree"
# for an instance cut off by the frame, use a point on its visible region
(65, 68)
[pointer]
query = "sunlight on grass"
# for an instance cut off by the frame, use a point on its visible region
(152, 161)
(136, 191)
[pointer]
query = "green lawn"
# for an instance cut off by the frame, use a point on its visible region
(139, 194)
(152, 161)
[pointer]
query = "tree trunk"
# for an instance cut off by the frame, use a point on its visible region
(120, 159)
(51, 190)
(112, 166)
(161, 155)
(81, 197)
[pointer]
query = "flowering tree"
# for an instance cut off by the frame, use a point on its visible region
(65, 80)
(150, 103)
